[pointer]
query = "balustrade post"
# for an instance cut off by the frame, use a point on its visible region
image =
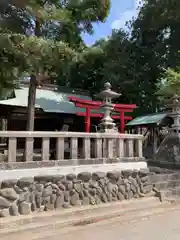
(139, 148)
(86, 148)
(120, 147)
(29, 149)
(60, 148)
(45, 149)
(110, 148)
(98, 148)
(130, 146)
(74, 150)
(105, 149)
(12, 149)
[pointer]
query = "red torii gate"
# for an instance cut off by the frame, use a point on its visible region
(90, 104)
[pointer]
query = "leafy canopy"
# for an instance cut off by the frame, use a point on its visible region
(57, 23)
(169, 84)
(34, 55)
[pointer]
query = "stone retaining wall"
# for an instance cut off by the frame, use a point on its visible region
(43, 193)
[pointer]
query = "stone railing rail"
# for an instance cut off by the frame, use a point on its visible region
(94, 146)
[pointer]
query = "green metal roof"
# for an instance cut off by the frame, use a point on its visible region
(48, 100)
(149, 119)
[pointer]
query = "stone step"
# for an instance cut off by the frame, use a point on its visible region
(74, 217)
(57, 232)
(176, 191)
(164, 177)
(125, 219)
(167, 184)
(160, 170)
(170, 193)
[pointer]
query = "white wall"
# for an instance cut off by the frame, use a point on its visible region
(20, 173)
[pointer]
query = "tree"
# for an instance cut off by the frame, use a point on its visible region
(23, 16)
(159, 20)
(116, 59)
(134, 63)
(33, 55)
(120, 65)
(34, 18)
(169, 85)
(37, 49)
(157, 35)
(82, 16)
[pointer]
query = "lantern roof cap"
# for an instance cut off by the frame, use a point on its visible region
(107, 92)
(174, 101)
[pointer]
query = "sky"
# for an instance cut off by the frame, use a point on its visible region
(121, 11)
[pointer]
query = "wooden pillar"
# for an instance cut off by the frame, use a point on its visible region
(122, 122)
(87, 120)
(4, 122)
(155, 140)
(31, 103)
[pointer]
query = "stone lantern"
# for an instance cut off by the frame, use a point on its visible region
(175, 113)
(169, 150)
(107, 124)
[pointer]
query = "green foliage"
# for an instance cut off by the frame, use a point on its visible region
(59, 20)
(82, 16)
(157, 35)
(84, 71)
(158, 25)
(57, 26)
(31, 39)
(135, 63)
(169, 84)
(19, 54)
(119, 60)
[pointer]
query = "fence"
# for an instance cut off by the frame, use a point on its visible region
(72, 147)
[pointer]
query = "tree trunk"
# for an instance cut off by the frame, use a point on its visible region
(31, 103)
(32, 90)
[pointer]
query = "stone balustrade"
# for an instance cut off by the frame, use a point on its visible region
(71, 148)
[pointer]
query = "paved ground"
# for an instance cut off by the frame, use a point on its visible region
(163, 226)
